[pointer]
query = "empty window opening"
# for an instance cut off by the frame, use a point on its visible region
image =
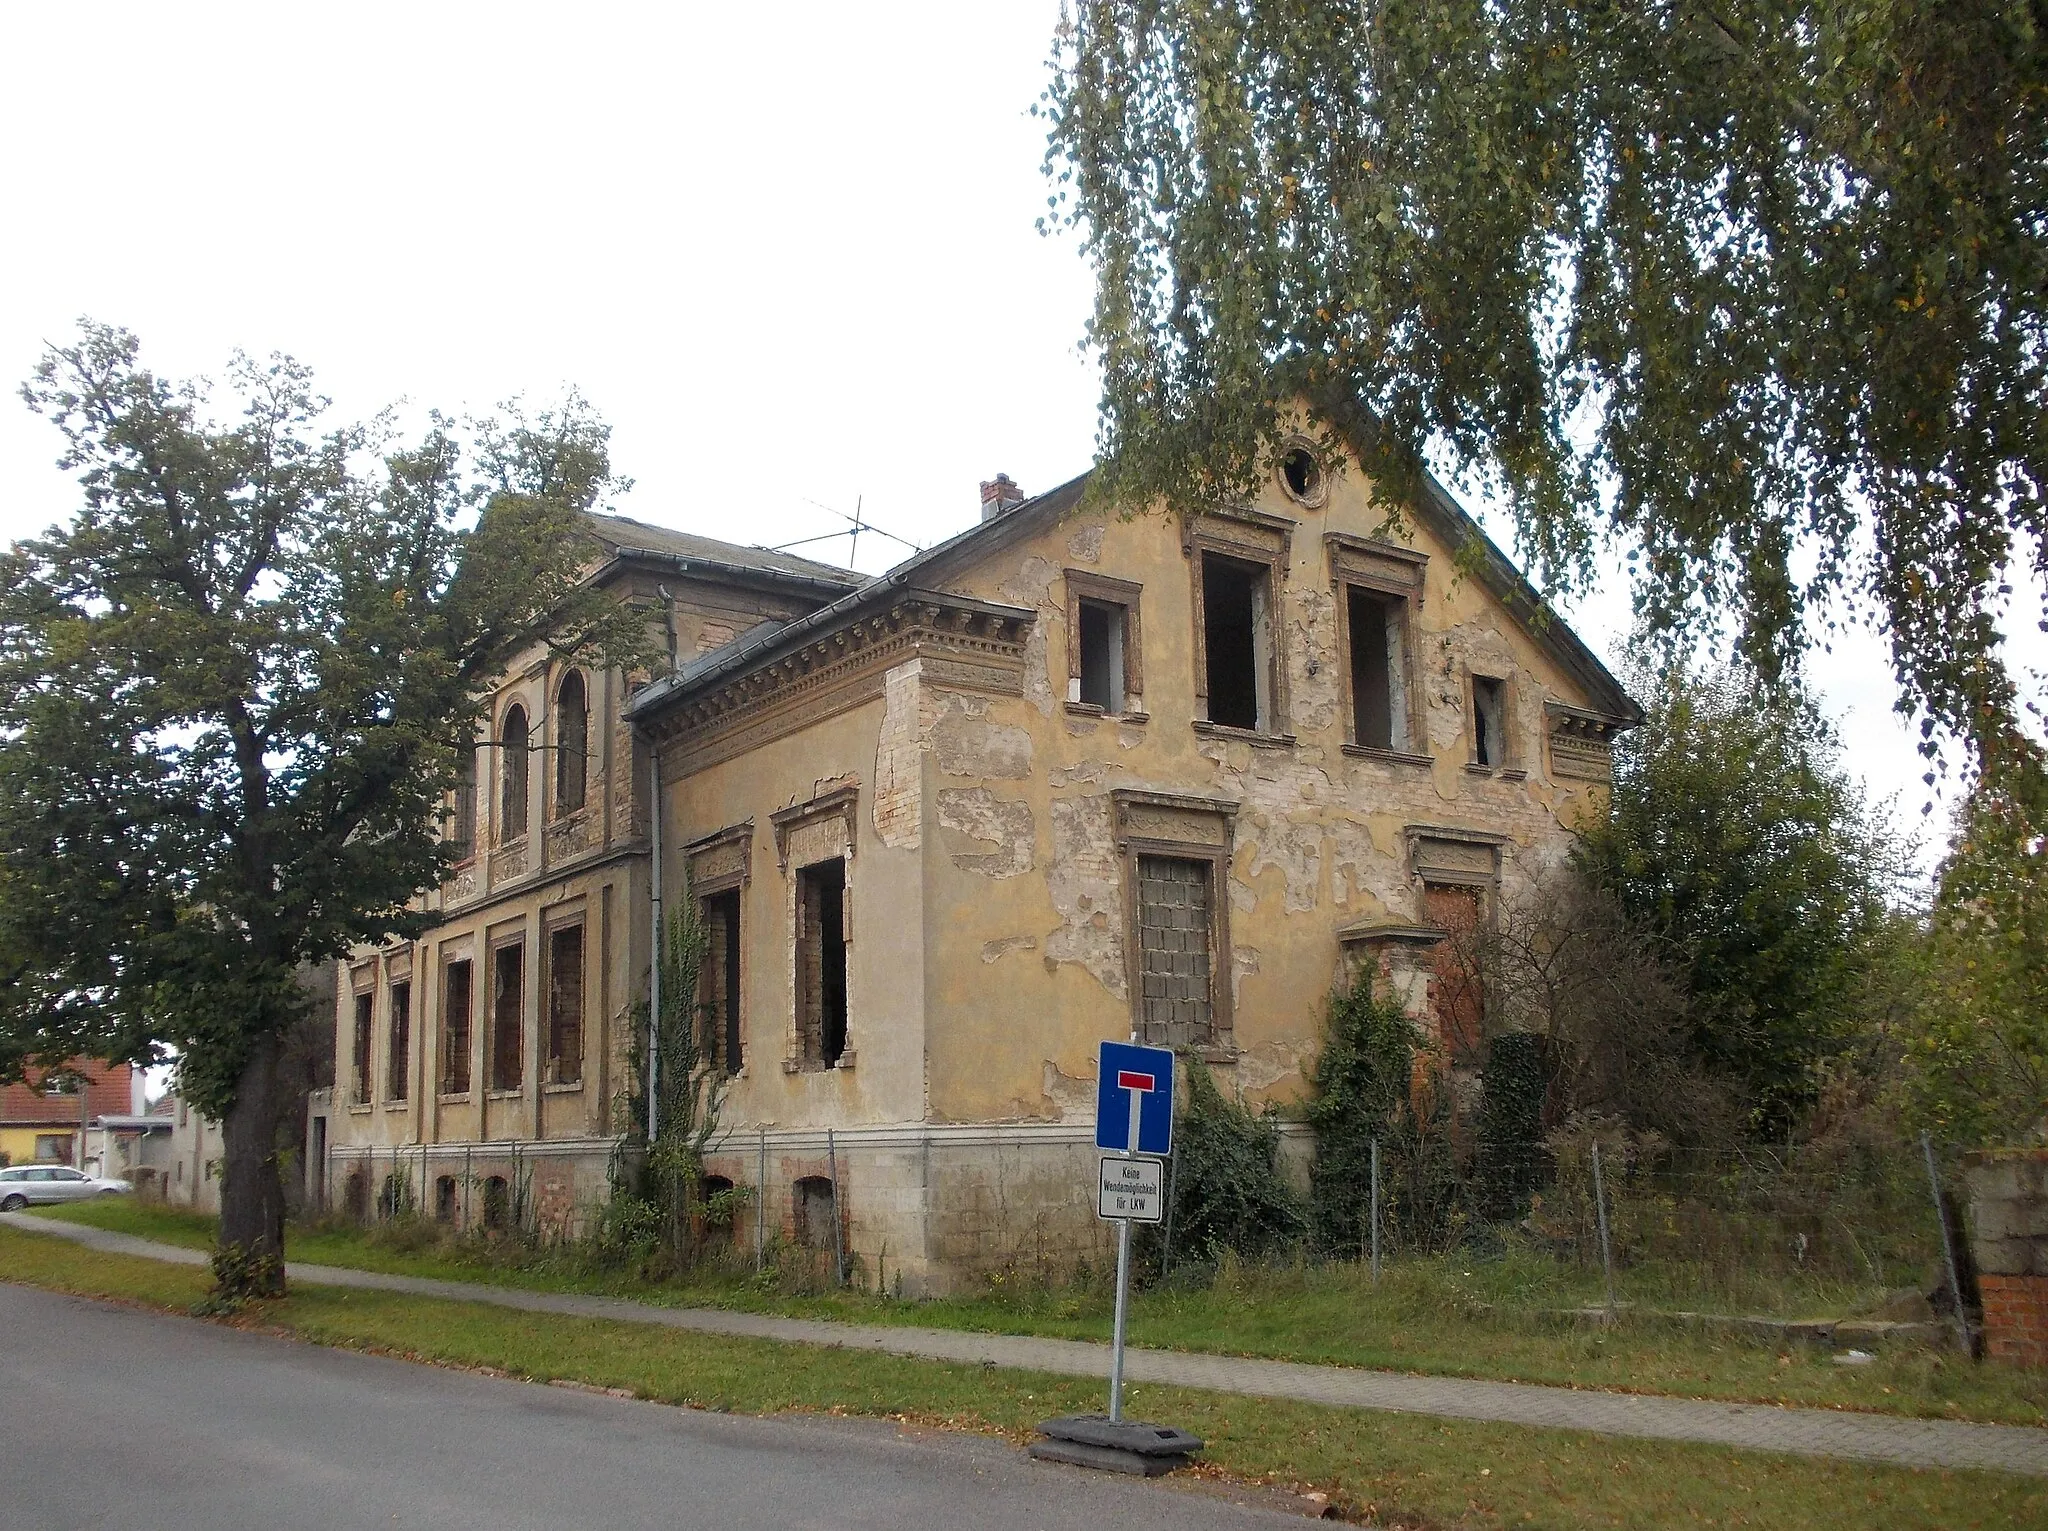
(1236, 643)
(821, 962)
(444, 1199)
(497, 1202)
(719, 982)
(1176, 978)
(1302, 474)
(720, 1209)
(359, 1082)
(1379, 690)
(455, 1022)
(572, 743)
(512, 740)
(1102, 655)
(812, 1208)
(355, 1195)
(508, 993)
(1455, 993)
(565, 1006)
(1489, 721)
(399, 1061)
(463, 835)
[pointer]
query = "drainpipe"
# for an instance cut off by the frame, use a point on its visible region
(654, 950)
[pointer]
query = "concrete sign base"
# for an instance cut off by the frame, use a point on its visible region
(1117, 1446)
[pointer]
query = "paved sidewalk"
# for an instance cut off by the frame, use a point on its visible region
(1750, 1427)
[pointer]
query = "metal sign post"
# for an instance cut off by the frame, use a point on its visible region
(1134, 1128)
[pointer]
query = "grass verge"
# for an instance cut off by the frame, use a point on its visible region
(1436, 1318)
(1398, 1470)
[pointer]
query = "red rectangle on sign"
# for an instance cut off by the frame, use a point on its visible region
(1128, 1080)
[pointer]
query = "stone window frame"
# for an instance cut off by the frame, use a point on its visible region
(557, 812)
(1392, 572)
(719, 863)
(838, 805)
(464, 827)
(362, 1049)
(511, 937)
(459, 952)
(500, 776)
(1182, 828)
(1510, 766)
(1430, 860)
(1103, 590)
(1254, 537)
(398, 966)
(569, 914)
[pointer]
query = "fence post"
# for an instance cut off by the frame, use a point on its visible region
(1375, 1212)
(761, 1206)
(838, 1236)
(1948, 1248)
(1606, 1250)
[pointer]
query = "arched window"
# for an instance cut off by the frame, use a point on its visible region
(464, 832)
(572, 743)
(512, 775)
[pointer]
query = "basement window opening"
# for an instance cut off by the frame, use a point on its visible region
(812, 1207)
(444, 1199)
(821, 961)
(1237, 641)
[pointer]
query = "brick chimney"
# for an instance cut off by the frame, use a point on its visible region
(999, 494)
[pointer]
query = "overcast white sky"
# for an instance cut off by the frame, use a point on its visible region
(787, 251)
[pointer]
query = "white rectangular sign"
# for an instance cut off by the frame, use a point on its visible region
(1132, 1190)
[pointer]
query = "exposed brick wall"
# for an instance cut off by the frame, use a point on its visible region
(2009, 1211)
(2016, 1318)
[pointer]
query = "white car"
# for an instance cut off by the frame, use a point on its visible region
(30, 1185)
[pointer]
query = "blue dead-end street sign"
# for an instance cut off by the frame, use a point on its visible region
(1140, 1077)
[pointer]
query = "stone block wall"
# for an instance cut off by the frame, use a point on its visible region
(2009, 1208)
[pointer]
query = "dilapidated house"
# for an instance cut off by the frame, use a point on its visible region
(1071, 775)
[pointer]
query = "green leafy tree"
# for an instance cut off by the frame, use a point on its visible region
(1974, 1041)
(234, 690)
(1755, 285)
(1735, 836)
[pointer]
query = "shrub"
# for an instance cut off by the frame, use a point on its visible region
(1228, 1192)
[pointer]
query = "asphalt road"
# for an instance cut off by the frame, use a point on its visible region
(114, 1417)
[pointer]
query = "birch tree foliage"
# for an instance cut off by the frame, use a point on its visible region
(1751, 288)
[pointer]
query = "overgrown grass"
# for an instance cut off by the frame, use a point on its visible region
(1436, 1317)
(1398, 1470)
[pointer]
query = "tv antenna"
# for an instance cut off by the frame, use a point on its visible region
(856, 524)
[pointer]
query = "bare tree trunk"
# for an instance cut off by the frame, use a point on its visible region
(251, 1189)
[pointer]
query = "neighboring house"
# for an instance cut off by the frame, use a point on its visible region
(192, 1178)
(1069, 776)
(134, 1146)
(43, 1119)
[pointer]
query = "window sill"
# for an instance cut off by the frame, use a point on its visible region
(1505, 773)
(1090, 710)
(397, 1105)
(363, 1108)
(1217, 1052)
(1392, 757)
(503, 1094)
(804, 1066)
(568, 1087)
(457, 1098)
(1251, 736)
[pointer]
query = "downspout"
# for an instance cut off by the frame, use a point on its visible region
(654, 948)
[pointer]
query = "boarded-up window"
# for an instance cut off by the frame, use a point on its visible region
(572, 743)
(512, 740)
(508, 994)
(821, 962)
(718, 995)
(455, 1022)
(812, 1208)
(398, 1063)
(359, 1083)
(565, 1006)
(1175, 944)
(1455, 907)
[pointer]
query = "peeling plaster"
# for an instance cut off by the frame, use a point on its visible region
(1262, 1067)
(1086, 543)
(1316, 700)
(1032, 586)
(1085, 884)
(980, 815)
(995, 951)
(1073, 1099)
(965, 744)
(906, 721)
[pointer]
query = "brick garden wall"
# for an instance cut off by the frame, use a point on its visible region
(2009, 1207)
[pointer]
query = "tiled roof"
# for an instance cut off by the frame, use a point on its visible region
(624, 534)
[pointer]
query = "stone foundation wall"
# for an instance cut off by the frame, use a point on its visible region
(2009, 1208)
